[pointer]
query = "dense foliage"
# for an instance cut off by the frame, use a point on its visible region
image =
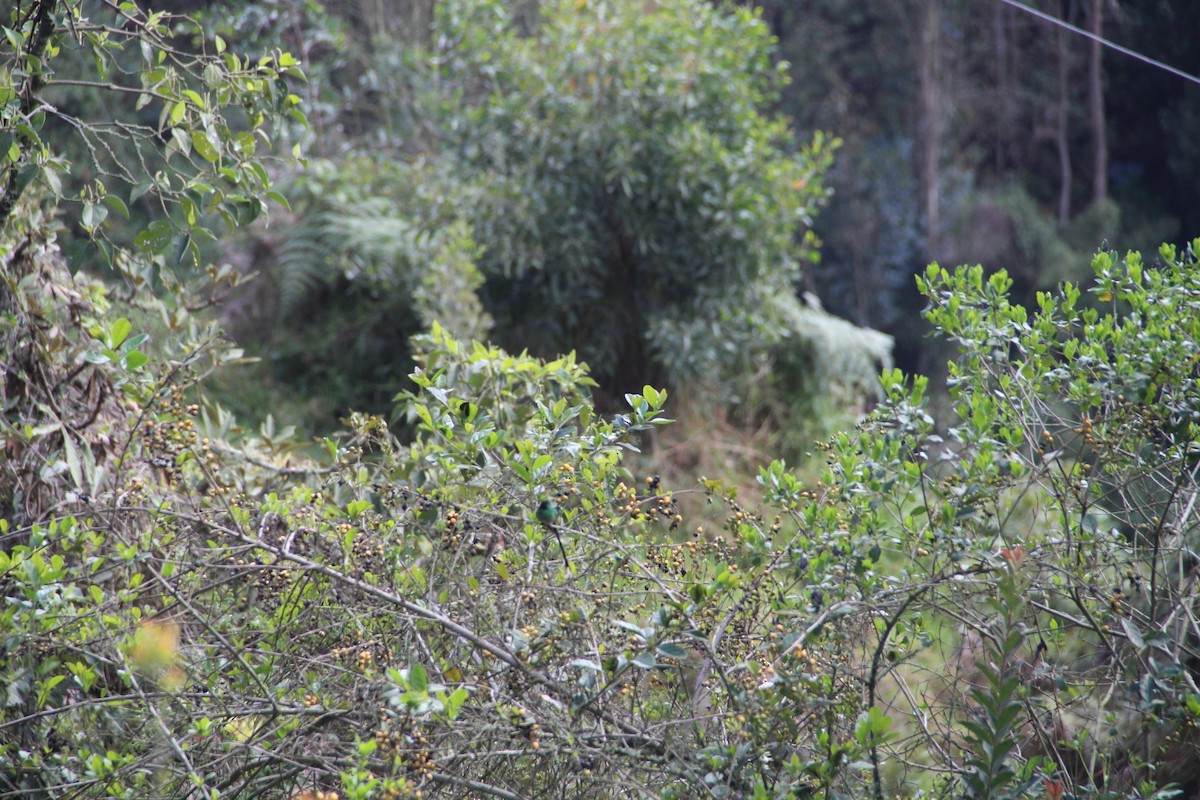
(988, 595)
(193, 613)
(982, 132)
(996, 606)
(155, 115)
(646, 211)
(187, 611)
(637, 208)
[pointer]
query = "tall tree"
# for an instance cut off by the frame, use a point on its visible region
(646, 209)
(1096, 103)
(1062, 122)
(929, 116)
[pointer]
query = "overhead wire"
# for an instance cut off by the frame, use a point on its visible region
(1109, 44)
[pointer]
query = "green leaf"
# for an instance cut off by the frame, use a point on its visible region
(279, 198)
(139, 190)
(180, 142)
(1134, 633)
(96, 357)
(202, 142)
(72, 460)
(645, 661)
(631, 627)
(117, 204)
(156, 237)
(455, 700)
(25, 130)
(136, 340)
(135, 360)
(46, 686)
(417, 679)
(16, 38)
(93, 214)
(191, 214)
(24, 175)
(872, 726)
(671, 650)
(118, 331)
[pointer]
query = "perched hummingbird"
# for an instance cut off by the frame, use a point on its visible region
(547, 513)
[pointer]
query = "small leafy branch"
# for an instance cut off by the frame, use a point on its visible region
(120, 348)
(179, 147)
(993, 729)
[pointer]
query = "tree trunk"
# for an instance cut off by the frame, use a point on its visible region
(1002, 131)
(1096, 104)
(1062, 128)
(929, 123)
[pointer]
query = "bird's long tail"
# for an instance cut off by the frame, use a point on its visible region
(561, 549)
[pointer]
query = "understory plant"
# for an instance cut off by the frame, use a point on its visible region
(196, 609)
(999, 604)
(1034, 632)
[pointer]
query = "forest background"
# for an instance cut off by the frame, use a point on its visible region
(970, 133)
(276, 521)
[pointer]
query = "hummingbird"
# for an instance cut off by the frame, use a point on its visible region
(547, 513)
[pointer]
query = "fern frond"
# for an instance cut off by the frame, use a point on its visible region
(306, 259)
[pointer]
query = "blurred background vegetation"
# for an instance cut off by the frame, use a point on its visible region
(731, 202)
(667, 197)
(970, 132)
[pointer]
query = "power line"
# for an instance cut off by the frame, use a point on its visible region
(1112, 45)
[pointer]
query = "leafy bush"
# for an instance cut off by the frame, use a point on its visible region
(235, 620)
(642, 209)
(644, 213)
(183, 127)
(1049, 528)
(366, 260)
(998, 607)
